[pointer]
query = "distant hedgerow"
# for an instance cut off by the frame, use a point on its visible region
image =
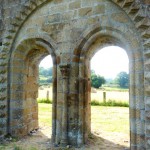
(110, 103)
(94, 103)
(44, 100)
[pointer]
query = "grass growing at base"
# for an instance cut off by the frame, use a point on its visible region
(110, 103)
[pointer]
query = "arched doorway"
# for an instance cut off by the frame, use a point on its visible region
(109, 111)
(23, 87)
(96, 39)
(45, 97)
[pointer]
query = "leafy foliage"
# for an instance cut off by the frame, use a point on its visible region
(123, 79)
(44, 100)
(96, 80)
(45, 76)
(111, 103)
(45, 72)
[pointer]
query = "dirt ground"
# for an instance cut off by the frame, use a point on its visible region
(41, 140)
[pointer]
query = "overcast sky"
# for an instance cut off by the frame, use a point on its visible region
(107, 62)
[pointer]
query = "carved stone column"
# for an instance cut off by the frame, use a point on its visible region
(65, 75)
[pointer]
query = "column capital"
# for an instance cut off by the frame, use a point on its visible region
(65, 69)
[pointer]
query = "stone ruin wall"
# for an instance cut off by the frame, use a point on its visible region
(28, 26)
(10, 8)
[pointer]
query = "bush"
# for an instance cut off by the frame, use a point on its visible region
(94, 103)
(97, 81)
(47, 101)
(110, 103)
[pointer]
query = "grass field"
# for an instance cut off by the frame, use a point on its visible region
(45, 114)
(109, 124)
(42, 93)
(111, 94)
(108, 88)
(110, 119)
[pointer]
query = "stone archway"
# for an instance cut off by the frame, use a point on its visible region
(74, 26)
(23, 87)
(96, 38)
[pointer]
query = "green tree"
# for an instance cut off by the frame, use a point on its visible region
(41, 71)
(96, 80)
(45, 72)
(45, 75)
(123, 79)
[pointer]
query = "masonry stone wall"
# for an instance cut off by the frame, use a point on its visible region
(71, 31)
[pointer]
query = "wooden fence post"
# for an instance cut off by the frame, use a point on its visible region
(47, 95)
(104, 97)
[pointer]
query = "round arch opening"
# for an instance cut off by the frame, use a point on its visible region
(96, 39)
(110, 123)
(24, 85)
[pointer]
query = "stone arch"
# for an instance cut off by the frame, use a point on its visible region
(134, 9)
(134, 12)
(23, 87)
(92, 40)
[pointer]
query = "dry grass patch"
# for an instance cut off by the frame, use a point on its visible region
(120, 95)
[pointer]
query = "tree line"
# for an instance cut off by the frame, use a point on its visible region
(122, 79)
(45, 75)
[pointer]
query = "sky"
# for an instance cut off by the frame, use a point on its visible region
(110, 61)
(107, 62)
(46, 62)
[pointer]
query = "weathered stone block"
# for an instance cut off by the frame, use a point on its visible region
(99, 9)
(85, 12)
(75, 5)
(119, 17)
(55, 18)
